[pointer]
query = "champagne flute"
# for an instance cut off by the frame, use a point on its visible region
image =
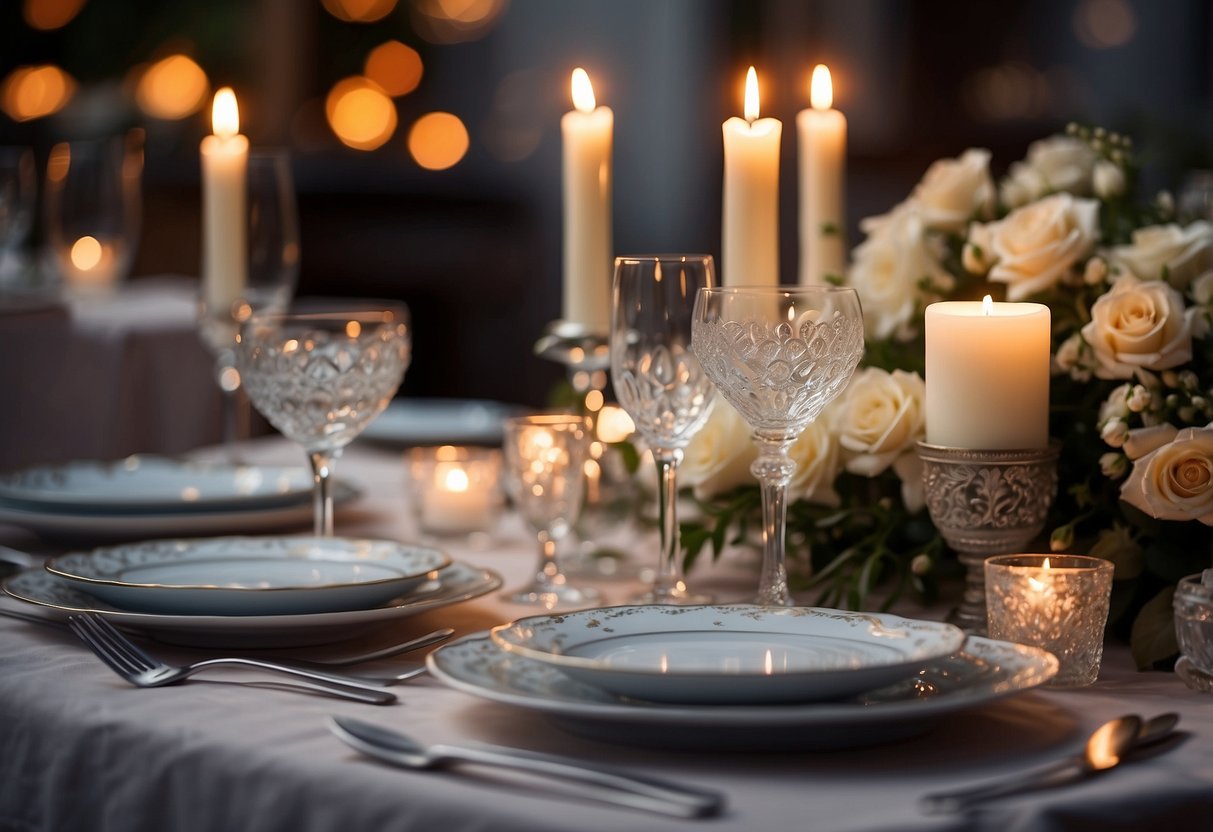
(262, 281)
(660, 384)
(544, 455)
(779, 356)
(321, 377)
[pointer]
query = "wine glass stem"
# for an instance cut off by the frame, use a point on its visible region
(322, 469)
(549, 569)
(774, 470)
(668, 582)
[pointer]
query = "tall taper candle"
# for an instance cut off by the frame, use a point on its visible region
(822, 133)
(750, 235)
(224, 175)
(588, 255)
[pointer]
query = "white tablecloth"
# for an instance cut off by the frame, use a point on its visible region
(80, 750)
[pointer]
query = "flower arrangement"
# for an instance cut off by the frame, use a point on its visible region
(1130, 288)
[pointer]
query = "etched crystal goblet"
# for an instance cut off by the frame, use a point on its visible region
(660, 384)
(544, 455)
(779, 356)
(320, 377)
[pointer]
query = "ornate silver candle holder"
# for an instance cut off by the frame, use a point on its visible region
(987, 503)
(585, 354)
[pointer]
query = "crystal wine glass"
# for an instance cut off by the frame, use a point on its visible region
(544, 455)
(779, 356)
(18, 193)
(320, 377)
(262, 279)
(660, 384)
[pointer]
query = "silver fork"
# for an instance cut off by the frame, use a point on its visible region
(143, 670)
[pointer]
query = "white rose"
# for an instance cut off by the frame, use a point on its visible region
(1115, 432)
(1116, 405)
(1034, 246)
(1184, 253)
(1108, 179)
(1139, 324)
(1143, 440)
(815, 453)
(954, 191)
(1021, 186)
(880, 416)
(718, 457)
(1202, 289)
(1063, 163)
(1175, 481)
(886, 270)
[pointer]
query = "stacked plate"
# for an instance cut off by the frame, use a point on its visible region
(253, 591)
(738, 676)
(146, 496)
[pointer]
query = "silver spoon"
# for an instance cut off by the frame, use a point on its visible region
(1104, 750)
(1155, 729)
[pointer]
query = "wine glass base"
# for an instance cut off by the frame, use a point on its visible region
(681, 598)
(552, 596)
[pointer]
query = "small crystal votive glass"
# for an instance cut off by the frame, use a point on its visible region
(455, 491)
(1056, 602)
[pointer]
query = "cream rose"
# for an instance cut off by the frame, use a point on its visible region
(718, 457)
(1035, 245)
(1183, 253)
(880, 417)
(1059, 163)
(955, 191)
(887, 268)
(816, 455)
(1139, 324)
(1175, 481)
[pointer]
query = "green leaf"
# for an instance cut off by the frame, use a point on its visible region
(1153, 637)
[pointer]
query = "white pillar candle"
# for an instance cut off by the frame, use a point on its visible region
(454, 502)
(987, 375)
(822, 134)
(750, 236)
(588, 254)
(224, 174)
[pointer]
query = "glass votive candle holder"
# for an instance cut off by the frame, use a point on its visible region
(455, 490)
(1056, 602)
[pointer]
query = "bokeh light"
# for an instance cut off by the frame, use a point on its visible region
(438, 141)
(395, 67)
(86, 253)
(360, 113)
(32, 92)
(172, 88)
(359, 11)
(1104, 24)
(455, 21)
(50, 14)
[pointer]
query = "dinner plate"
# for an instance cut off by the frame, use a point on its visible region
(985, 671)
(730, 653)
(108, 526)
(452, 585)
(439, 421)
(142, 484)
(250, 575)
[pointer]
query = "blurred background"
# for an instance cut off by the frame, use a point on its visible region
(425, 139)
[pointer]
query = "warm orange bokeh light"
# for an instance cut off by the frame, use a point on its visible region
(359, 11)
(360, 113)
(51, 14)
(438, 141)
(455, 21)
(35, 91)
(395, 67)
(86, 253)
(172, 88)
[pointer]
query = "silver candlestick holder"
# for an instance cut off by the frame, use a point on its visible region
(987, 503)
(585, 355)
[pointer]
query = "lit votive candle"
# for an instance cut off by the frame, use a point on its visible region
(1056, 602)
(455, 490)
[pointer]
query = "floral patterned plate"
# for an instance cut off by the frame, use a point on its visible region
(985, 671)
(730, 654)
(250, 575)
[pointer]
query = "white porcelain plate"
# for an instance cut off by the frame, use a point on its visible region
(985, 671)
(454, 584)
(730, 654)
(438, 421)
(250, 575)
(142, 484)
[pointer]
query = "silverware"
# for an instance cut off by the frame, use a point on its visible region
(387, 652)
(143, 670)
(1105, 749)
(609, 784)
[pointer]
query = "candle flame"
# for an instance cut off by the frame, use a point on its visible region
(821, 88)
(1039, 586)
(987, 308)
(225, 114)
(1045, 566)
(751, 96)
(456, 480)
(583, 91)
